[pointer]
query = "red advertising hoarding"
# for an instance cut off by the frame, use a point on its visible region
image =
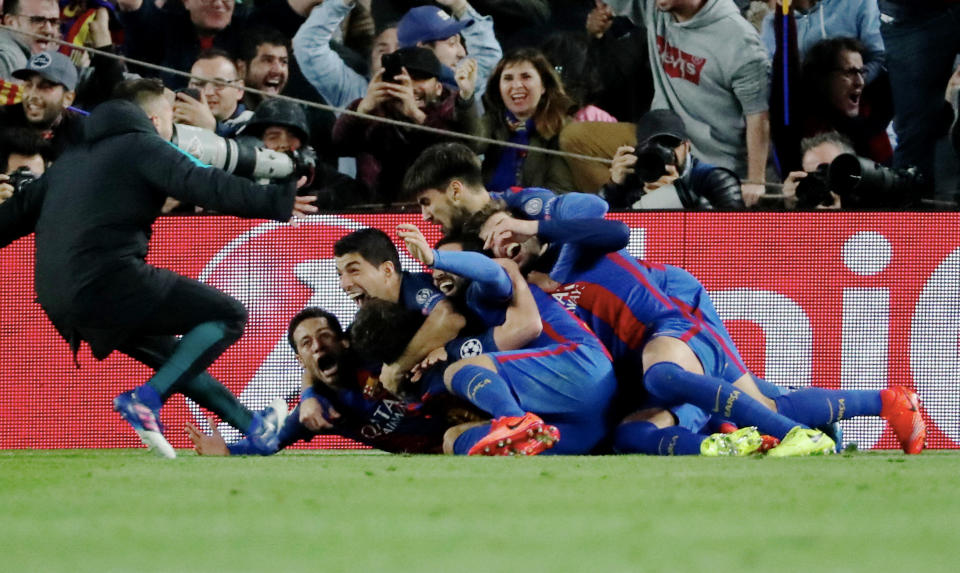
(851, 300)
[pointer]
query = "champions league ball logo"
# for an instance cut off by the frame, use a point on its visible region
(423, 295)
(471, 347)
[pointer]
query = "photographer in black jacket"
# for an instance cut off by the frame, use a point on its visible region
(662, 173)
(92, 212)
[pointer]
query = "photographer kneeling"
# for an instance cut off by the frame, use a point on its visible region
(662, 173)
(834, 177)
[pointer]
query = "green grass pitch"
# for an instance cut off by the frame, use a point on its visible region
(123, 510)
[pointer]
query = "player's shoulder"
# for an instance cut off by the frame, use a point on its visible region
(529, 202)
(418, 292)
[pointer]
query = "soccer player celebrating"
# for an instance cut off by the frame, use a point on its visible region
(679, 345)
(563, 374)
(340, 396)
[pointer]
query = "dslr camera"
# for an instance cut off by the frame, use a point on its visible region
(652, 161)
(241, 156)
(861, 184)
(21, 177)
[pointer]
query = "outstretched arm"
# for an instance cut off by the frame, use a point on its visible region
(324, 68)
(493, 281)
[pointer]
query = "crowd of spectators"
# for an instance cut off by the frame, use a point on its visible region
(876, 78)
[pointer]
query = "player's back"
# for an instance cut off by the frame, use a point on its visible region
(620, 300)
(688, 293)
(560, 326)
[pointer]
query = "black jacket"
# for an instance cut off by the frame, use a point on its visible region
(92, 212)
(703, 186)
(68, 130)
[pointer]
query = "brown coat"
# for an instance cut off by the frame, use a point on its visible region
(539, 169)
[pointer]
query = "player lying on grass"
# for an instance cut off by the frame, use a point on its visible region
(368, 265)
(677, 344)
(340, 396)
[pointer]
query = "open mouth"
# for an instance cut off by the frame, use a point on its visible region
(272, 85)
(326, 363)
(358, 297)
(447, 285)
(855, 97)
(512, 250)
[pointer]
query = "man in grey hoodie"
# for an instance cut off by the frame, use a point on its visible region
(710, 67)
(32, 16)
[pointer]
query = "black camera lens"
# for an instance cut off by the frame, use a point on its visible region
(21, 177)
(814, 190)
(652, 160)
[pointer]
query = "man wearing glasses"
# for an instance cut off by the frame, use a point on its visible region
(31, 16)
(220, 107)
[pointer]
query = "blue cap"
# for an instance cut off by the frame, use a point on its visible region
(428, 24)
(51, 66)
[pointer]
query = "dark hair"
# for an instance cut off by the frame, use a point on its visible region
(372, 244)
(256, 36)
(10, 6)
(440, 164)
(820, 62)
(382, 330)
(381, 27)
(468, 241)
(568, 51)
(473, 225)
(308, 313)
(22, 141)
(141, 91)
(554, 105)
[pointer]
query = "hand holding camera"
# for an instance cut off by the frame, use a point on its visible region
(191, 108)
(6, 190)
(622, 166)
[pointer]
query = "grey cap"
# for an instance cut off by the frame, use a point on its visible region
(51, 66)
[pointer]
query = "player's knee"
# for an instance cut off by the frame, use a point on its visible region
(459, 365)
(660, 378)
(659, 417)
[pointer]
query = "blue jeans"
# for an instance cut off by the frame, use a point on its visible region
(921, 46)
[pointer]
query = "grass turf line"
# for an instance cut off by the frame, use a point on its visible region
(122, 510)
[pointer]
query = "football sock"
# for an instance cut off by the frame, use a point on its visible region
(818, 406)
(673, 385)
(209, 393)
(646, 438)
(486, 390)
(467, 439)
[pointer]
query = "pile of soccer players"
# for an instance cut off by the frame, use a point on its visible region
(535, 333)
